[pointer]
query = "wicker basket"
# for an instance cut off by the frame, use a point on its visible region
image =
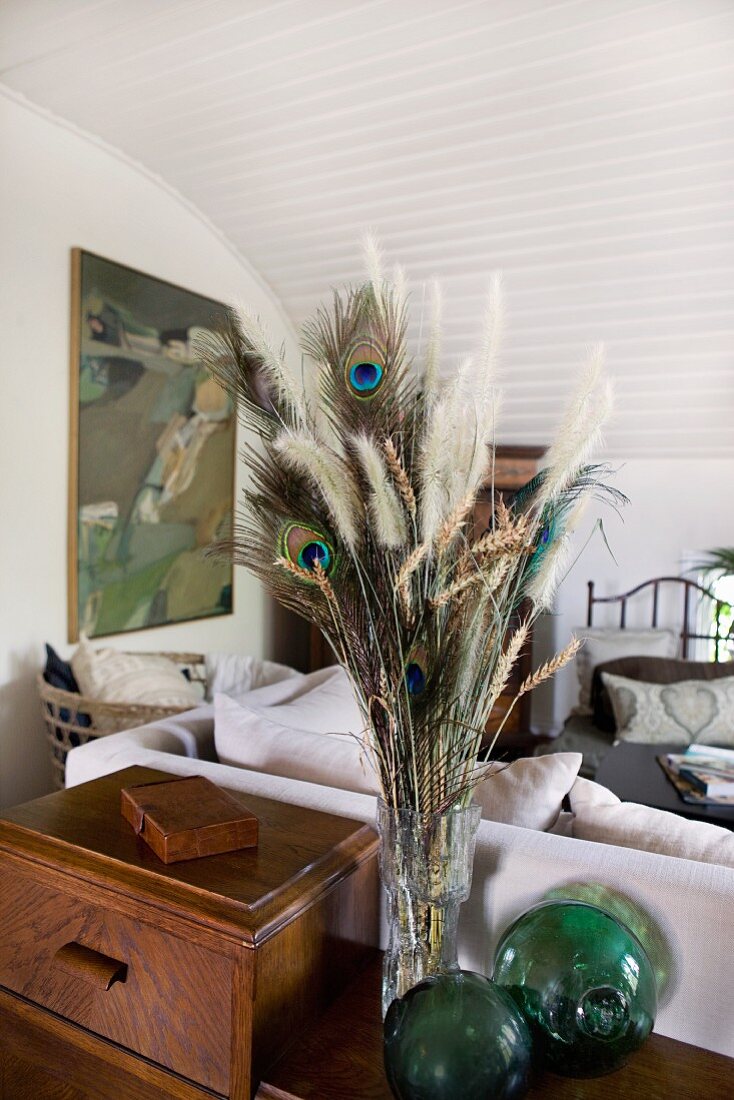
(73, 719)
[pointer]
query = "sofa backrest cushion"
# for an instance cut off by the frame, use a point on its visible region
(528, 792)
(320, 702)
(317, 735)
(236, 674)
(257, 739)
(600, 816)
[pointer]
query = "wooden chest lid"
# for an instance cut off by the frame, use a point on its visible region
(248, 894)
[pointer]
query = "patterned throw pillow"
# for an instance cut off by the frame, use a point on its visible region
(676, 714)
(602, 645)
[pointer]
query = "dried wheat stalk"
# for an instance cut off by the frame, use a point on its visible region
(400, 477)
(550, 667)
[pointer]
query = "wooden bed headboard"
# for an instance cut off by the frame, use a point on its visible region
(688, 632)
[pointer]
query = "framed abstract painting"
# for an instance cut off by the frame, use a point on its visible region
(152, 452)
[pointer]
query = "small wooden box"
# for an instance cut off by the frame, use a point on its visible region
(188, 817)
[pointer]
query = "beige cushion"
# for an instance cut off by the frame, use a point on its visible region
(529, 792)
(269, 739)
(321, 702)
(600, 816)
(115, 677)
(589, 793)
(676, 714)
(255, 738)
(236, 674)
(601, 645)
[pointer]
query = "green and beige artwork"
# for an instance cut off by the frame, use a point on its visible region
(155, 454)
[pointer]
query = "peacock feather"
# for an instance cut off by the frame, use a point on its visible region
(358, 516)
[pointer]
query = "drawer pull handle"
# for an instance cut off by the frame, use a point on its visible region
(91, 966)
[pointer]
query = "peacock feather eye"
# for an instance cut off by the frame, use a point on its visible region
(305, 547)
(415, 672)
(545, 538)
(415, 678)
(365, 369)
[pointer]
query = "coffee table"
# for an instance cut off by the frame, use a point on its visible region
(631, 771)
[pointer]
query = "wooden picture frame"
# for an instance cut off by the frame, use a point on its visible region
(152, 446)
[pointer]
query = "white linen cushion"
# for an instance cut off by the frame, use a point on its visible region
(321, 702)
(629, 825)
(254, 738)
(115, 677)
(588, 793)
(677, 714)
(286, 738)
(236, 674)
(529, 792)
(601, 645)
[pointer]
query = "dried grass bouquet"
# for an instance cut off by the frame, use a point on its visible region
(359, 518)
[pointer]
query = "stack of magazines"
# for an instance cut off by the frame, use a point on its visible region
(703, 775)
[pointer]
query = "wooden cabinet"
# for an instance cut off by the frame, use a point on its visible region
(514, 467)
(183, 980)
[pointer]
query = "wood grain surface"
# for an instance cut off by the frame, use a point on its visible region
(207, 968)
(173, 1006)
(248, 894)
(188, 818)
(340, 1057)
(43, 1057)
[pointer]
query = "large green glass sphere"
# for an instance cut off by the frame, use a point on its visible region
(456, 1036)
(583, 983)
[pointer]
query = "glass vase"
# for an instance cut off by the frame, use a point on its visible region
(426, 862)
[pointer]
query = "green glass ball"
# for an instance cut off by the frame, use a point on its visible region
(583, 983)
(456, 1036)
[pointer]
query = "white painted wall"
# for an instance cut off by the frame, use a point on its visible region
(677, 507)
(58, 190)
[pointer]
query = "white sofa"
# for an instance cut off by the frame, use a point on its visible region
(691, 903)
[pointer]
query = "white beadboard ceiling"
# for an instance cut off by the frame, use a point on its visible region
(585, 148)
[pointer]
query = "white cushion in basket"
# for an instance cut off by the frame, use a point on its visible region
(146, 679)
(600, 816)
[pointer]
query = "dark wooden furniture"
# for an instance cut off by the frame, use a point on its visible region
(688, 589)
(126, 978)
(340, 1058)
(514, 466)
(631, 771)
